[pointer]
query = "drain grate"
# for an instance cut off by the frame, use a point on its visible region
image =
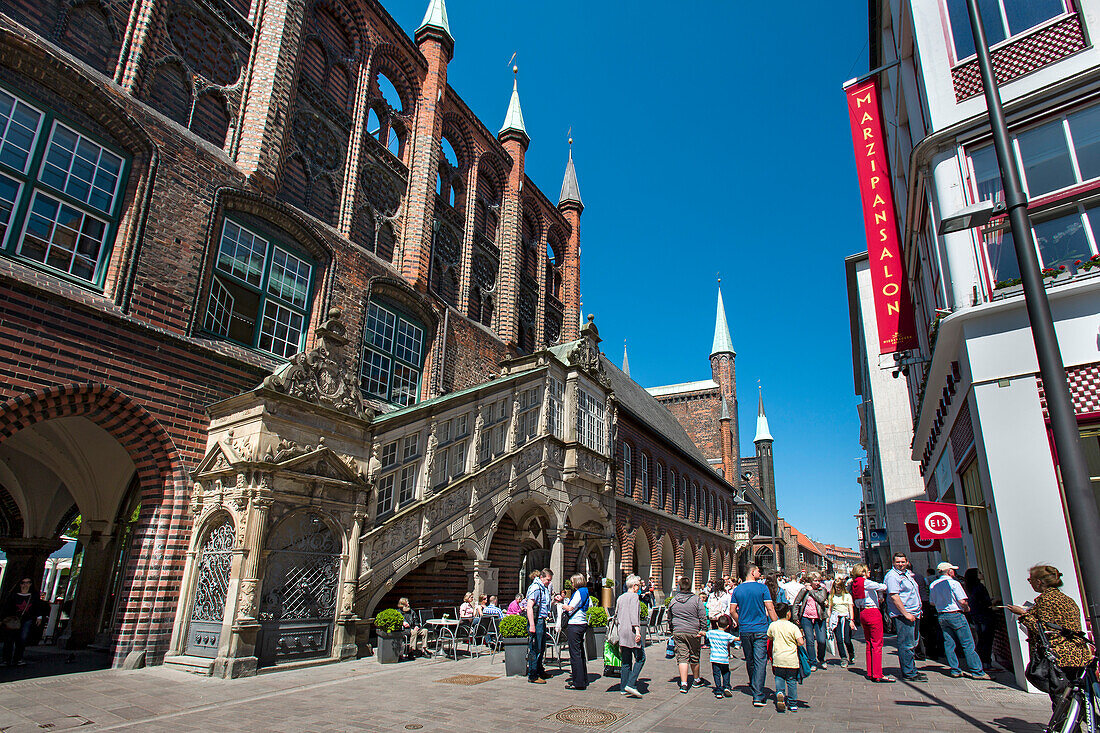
(466, 679)
(588, 717)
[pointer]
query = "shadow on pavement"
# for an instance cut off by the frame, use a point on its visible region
(49, 660)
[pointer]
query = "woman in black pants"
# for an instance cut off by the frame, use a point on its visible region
(574, 616)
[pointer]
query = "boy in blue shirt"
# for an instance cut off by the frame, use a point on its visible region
(721, 640)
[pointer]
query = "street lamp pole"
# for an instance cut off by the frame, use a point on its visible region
(1083, 514)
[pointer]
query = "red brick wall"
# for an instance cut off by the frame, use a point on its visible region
(439, 582)
(698, 412)
(506, 555)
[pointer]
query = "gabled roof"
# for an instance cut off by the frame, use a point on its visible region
(804, 541)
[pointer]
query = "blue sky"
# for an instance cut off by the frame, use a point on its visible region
(706, 140)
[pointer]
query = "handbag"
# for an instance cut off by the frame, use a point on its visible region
(11, 623)
(670, 648)
(804, 668)
(1042, 669)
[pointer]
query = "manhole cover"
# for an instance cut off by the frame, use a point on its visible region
(466, 679)
(588, 717)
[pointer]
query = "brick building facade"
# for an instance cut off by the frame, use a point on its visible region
(217, 214)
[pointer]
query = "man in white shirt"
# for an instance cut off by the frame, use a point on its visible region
(949, 598)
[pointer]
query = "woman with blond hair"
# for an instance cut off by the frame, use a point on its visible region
(1054, 607)
(842, 620)
(467, 609)
(865, 599)
(575, 618)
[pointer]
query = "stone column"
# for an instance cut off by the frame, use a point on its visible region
(26, 559)
(238, 657)
(486, 580)
(95, 574)
(344, 642)
(557, 556)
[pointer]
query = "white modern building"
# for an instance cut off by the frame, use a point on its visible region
(980, 432)
(890, 479)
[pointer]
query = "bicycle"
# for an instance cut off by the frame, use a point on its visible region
(1078, 710)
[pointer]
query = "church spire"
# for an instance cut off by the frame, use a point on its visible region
(436, 19)
(723, 344)
(626, 361)
(513, 120)
(762, 431)
(570, 191)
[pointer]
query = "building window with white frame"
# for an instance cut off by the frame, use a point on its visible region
(556, 407)
(590, 421)
(494, 430)
(530, 400)
(645, 478)
(450, 451)
(400, 460)
(393, 355)
(661, 484)
(260, 292)
(628, 471)
(60, 192)
(1002, 19)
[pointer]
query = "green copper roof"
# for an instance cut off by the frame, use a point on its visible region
(723, 344)
(514, 119)
(436, 17)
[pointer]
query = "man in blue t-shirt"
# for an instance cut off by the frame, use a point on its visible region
(753, 611)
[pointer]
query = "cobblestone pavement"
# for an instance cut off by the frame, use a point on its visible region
(366, 696)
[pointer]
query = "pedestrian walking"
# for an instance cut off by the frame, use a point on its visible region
(1054, 607)
(948, 596)
(865, 597)
(688, 620)
(538, 610)
(22, 613)
(576, 627)
(786, 638)
(980, 617)
(904, 605)
(721, 642)
(811, 611)
(753, 610)
(718, 604)
(842, 621)
(627, 615)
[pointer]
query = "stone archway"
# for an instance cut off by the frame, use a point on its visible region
(688, 564)
(668, 564)
(704, 565)
(643, 554)
(91, 444)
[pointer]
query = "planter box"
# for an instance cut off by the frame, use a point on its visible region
(594, 641)
(515, 656)
(390, 647)
(607, 597)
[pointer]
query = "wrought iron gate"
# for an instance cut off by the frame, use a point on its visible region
(207, 612)
(298, 602)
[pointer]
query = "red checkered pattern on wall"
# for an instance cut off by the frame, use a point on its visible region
(1084, 390)
(1022, 56)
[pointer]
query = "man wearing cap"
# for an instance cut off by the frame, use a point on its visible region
(949, 598)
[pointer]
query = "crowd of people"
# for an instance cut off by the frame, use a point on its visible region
(796, 623)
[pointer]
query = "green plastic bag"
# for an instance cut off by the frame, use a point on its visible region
(611, 655)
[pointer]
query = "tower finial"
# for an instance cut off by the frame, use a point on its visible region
(513, 119)
(436, 19)
(626, 360)
(762, 430)
(570, 191)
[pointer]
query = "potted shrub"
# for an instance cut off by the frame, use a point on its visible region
(597, 632)
(513, 637)
(391, 638)
(607, 592)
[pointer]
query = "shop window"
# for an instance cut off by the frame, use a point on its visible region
(60, 192)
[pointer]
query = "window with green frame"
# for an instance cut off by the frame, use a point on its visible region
(393, 355)
(60, 192)
(260, 292)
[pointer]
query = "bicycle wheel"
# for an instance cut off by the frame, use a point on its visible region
(1066, 713)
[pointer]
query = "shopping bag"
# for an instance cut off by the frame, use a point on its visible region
(612, 654)
(670, 649)
(830, 646)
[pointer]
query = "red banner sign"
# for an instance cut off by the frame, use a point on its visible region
(938, 520)
(893, 306)
(918, 543)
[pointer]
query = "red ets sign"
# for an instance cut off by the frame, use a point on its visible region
(893, 308)
(918, 543)
(938, 520)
